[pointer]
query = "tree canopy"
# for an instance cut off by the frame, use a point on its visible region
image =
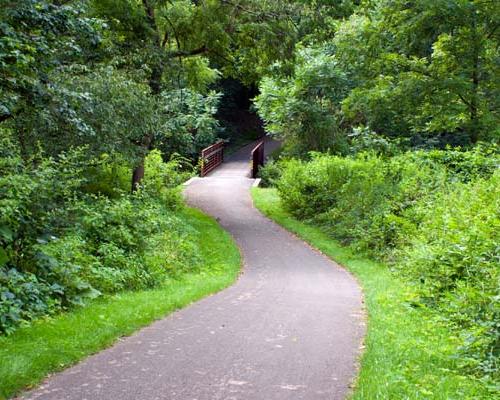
(426, 71)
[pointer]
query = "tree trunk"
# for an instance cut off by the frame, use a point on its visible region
(137, 175)
(474, 119)
(155, 87)
(155, 79)
(138, 171)
(473, 108)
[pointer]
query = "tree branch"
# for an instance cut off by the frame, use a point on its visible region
(187, 53)
(465, 101)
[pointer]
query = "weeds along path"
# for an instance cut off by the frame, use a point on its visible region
(290, 328)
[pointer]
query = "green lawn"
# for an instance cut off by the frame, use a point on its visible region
(409, 352)
(50, 345)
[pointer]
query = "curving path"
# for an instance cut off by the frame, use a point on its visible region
(290, 328)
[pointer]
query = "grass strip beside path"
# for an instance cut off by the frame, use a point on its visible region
(409, 352)
(53, 344)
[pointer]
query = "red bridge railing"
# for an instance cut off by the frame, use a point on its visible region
(257, 158)
(212, 157)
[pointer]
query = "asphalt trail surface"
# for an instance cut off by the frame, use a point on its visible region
(290, 328)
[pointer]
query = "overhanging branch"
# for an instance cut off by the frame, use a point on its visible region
(187, 53)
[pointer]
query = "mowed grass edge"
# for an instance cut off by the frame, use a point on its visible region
(50, 345)
(409, 352)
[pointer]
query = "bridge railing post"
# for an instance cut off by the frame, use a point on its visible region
(257, 159)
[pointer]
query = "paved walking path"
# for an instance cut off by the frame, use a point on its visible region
(290, 328)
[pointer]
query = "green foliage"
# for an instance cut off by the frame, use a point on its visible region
(161, 180)
(363, 139)
(104, 83)
(189, 122)
(454, 256)
(434, 216)
(118, 244)
(305, 109)
(78, 115)
(426, 71)
(36, 37)
(270, 173)
(23, 298)
(116, 111)
(62, 245)
(108, 175)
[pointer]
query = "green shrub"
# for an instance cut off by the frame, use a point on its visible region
(454, 256)
(270, 173)
(71, 230)
(23, 298)
(162, 179)
(342, 193)
(109, 176)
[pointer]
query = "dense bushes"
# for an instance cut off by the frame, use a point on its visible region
(454, 254)
(69, 231)
(434, 216)
(80, 115)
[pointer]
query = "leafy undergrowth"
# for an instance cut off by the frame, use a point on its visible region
(52, 344)
(409, 350)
